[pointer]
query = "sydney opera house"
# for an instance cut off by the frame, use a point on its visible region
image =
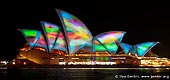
(73, 44)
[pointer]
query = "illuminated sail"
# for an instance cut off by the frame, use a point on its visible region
(126, 47)
(77, 34)
(112, 47)
(109, 39)
(87, 47)
(51, 31)
(60, 44)
(143, 48)
(133, 50)
(98, 46)
(31, 36)
(111, 36)
(41, 42)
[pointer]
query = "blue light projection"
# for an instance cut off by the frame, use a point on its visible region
(126, 47)
(143, 48)
(31, 36)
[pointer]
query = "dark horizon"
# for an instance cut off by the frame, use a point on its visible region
(142, 22)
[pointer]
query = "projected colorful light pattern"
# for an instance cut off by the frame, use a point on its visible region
(60, 43)
(31, 36)
(77, 33)
(126, 47)
(79, 36)
(41, 42)
(108, 40)
(110, 37)
(98, 46)
(51, 31)
(143, 48)
(112, 47)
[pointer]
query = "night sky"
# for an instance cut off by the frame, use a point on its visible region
(143, 21)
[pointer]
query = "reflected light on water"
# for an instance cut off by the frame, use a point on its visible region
(121, 68)
(80, 73)
(157, 69)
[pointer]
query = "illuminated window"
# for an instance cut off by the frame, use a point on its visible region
(24, 63)
(13, 63)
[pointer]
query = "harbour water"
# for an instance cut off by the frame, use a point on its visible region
(84, 73)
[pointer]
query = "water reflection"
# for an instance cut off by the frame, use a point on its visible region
(84, 73)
